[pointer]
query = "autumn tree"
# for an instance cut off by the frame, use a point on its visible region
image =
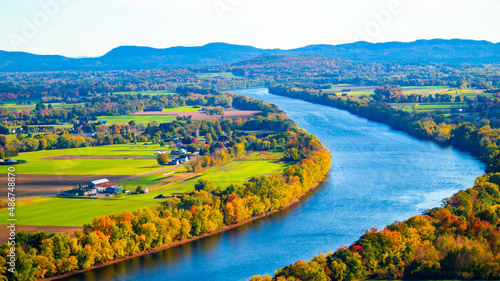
(162, 159)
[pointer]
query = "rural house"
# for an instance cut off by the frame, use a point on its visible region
(100, 185)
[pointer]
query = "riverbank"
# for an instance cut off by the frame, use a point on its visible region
(159, 249)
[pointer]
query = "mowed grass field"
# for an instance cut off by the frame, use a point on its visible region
(429, 106)
(13, 106)
(145, 119)
(139, 119)
(125, 159)
(182, 109)
(236, 172)
(52, 211)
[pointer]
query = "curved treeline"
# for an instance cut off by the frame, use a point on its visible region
(460, 240)
(208, 209)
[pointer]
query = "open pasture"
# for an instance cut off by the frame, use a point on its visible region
(122, 159)
(236, 172)
(14, 106)
(444, 106)
(139, 119)
(182, 109)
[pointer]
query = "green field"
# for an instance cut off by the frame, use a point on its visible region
(14, 102)
(428, 106)
(182, 108)
(139, 119)
(233, 172)
(125, 159)
(14, 106)
(145, 119)
(76, 212)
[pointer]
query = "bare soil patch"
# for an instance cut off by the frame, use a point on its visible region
(37, 185)
(5, 233)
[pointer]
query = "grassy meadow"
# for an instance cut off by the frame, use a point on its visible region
(145, 119)
(14, 106)
(126, 159)
(139, 119)
(182, 109)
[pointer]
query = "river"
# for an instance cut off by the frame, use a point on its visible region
(378, 176)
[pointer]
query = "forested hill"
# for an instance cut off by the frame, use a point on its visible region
(132, 57)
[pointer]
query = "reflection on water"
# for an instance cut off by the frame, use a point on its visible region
(378, 176)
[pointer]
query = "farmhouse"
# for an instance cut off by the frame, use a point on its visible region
(174, 161)
(81, 191)
(180, 152)
(100, 185)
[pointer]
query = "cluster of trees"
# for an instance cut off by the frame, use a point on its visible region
(214, 110)
(68, 85)
(106, 135)
(460, 240)
(387, 92)
(42, 255)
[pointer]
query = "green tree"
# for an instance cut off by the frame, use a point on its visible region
(208, 139)
(3, 140)
(204, 184)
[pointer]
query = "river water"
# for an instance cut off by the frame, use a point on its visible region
(378, 176)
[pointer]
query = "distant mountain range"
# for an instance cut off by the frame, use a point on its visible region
(132, 57)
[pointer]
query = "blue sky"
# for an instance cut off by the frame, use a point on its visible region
(93, 27)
